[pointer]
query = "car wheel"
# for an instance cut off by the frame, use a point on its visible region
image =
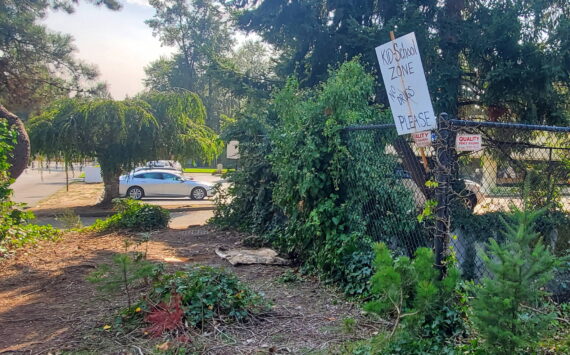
(135, 192)
(198, 193)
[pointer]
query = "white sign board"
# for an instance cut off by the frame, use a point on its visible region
(93, 174)
(406, 85)
(468, 142)
(233, 150)
(422, 139)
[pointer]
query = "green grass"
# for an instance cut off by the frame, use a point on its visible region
(205, 170)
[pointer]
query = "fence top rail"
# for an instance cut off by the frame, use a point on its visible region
(523, 126)
(463, 123)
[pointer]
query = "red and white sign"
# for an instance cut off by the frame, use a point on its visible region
(422, 139)
(468, 142)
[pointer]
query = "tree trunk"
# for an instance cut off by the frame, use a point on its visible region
(412, 164)
(21, 152)
(451, 45)
(111, 185)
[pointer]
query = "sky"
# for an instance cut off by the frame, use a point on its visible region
(119, 43)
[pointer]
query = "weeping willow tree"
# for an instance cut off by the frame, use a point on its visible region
(123, 134)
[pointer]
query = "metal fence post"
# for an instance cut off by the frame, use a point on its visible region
(443, 165)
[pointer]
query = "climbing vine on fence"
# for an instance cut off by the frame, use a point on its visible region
(310, 160)
(326, 226)
(291, 188)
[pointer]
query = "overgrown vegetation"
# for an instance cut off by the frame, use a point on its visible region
(134, 215)
(198, 297)
(205, 295)
(503, 60)
(15, 229)
(289, 188)
(507, 313)
(426, 309)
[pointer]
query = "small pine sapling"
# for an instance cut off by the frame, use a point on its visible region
(123, 274)
(507, 307)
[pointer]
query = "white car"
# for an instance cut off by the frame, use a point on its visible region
(162, 183)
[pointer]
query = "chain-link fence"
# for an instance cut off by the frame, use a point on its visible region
(452, 199)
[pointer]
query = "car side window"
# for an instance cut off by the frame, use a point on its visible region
(140, 176)
(157, 176)
(170, 177)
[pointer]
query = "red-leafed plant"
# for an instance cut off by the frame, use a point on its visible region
(165, 317)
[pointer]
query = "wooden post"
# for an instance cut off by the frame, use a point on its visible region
(66, 175)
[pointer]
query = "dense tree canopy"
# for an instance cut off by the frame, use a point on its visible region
(36, 64)
(206, 61)
(200, 32)
(122, 134)
(197, 29)
(502, 59)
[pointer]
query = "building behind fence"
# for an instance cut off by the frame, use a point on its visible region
(467, 194)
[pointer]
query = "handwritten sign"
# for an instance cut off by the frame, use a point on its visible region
(468, 142)
(422, 139)
(406, 85)
(233, 150)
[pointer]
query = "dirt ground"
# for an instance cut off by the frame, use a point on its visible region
(47, 306)
(79, 195)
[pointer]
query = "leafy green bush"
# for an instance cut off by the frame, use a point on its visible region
(134, 215)
(426, 309)
(328, 227)
(16, 231)
(207, 293)
(508, 310)
(7, 141)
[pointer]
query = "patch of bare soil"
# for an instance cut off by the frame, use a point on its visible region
(79, 196)
(46, 304)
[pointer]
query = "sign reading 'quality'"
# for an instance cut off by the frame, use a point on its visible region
(468, 142)
(406, 85)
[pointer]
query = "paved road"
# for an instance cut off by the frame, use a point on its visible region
(33, 185)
